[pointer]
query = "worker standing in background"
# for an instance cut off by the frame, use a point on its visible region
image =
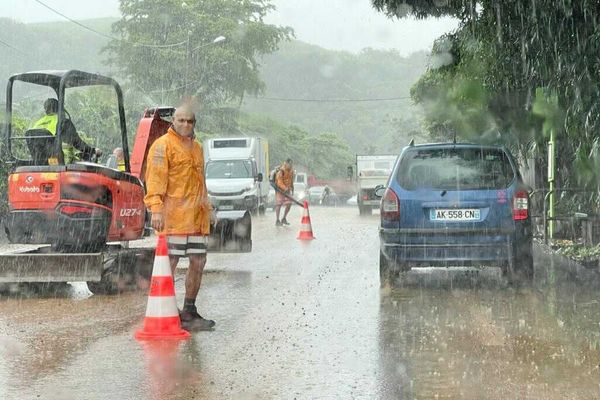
(178, 201)
(284, 180)
(119, 158)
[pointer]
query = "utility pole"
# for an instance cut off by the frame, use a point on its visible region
(187, 65)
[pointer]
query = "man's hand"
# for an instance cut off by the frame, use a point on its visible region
(157, 222)
(213, 217)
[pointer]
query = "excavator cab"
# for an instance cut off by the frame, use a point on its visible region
(27, 92)
(76, 206)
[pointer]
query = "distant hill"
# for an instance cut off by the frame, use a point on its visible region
(297, 70)
(52, 45)
(302, 71)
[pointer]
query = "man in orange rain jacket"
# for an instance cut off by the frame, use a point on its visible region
(177, 198)
(284, 179)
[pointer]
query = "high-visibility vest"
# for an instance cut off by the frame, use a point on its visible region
(50, 122)
(121, 165)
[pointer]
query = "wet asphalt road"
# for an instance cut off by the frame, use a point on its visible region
(308, 321)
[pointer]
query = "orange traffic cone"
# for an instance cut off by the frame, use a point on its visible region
(162, 317)
(306, 232)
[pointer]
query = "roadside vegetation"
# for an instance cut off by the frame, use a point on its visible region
(512, 73)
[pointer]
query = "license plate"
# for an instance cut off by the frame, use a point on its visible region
(465, 214)
(226, 207)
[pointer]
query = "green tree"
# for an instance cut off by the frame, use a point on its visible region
(485, 79)
(326, 154)
(166, 50)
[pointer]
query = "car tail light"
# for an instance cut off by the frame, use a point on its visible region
(73, 210)
(390, 205)
(520, 206)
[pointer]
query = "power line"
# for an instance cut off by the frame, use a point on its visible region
(329, 100)
(108, 36)
(13, 48)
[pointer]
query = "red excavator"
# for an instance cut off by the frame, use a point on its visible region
(85, 216)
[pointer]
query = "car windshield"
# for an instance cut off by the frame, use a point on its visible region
(229, 169)
(455, 169)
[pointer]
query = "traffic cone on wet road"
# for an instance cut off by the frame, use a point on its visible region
(162, 316)
(306, 232)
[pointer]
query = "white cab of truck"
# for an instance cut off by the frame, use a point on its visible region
(371, 171)
(236, 173)
(300, 190)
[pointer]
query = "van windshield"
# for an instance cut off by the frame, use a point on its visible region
(455, 169)
(229, 169)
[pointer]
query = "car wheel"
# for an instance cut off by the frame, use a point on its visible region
(385, 273)
(365, 210)
(520, 269)
(524, 267)
(261, 210)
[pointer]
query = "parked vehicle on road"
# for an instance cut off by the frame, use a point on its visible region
(300, 190)
(235, 173)
(352, 201)
(323, 195)
(455, 205)
(371, 171)
(344, 188)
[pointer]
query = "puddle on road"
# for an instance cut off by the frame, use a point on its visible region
(452, 277)
(455, 333)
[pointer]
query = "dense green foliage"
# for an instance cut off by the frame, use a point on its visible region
(514, 71)
(325, 154)
(166, 47)
(297, 70)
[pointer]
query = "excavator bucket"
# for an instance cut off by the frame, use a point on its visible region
(42, 265)
(232, 233)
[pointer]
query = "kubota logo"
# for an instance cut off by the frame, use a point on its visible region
(29, 179)
(29, 189)
(130, 212)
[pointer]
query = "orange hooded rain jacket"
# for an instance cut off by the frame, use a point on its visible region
(175, 185)
(285, 178)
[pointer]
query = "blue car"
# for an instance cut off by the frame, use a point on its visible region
(455, 204)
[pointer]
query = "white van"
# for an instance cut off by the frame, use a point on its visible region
(236, 172)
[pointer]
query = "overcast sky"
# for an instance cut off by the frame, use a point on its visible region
(333, 24)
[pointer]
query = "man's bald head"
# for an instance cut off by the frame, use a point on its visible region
(184, 120)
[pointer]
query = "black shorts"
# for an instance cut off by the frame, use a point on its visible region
(186, 245)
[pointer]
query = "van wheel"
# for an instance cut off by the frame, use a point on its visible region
(261, 210)
(365, 210)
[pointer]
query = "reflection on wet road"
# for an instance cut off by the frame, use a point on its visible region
(308, 321)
